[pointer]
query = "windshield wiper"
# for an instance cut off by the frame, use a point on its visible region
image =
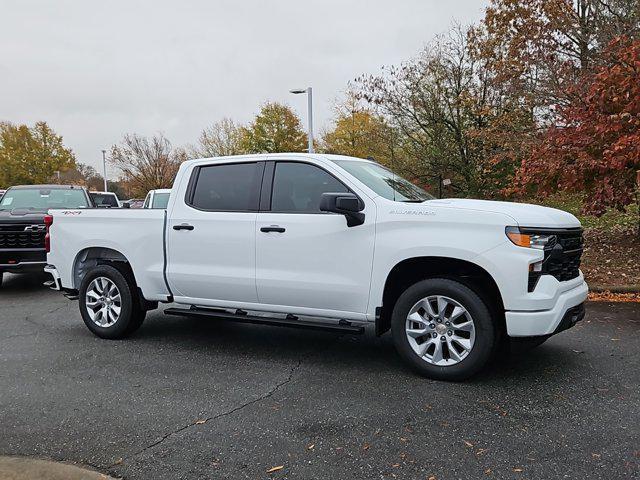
(412, 201)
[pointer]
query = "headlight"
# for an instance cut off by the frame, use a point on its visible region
(529, 240)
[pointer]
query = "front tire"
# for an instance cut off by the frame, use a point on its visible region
(443, 329)
(109, 303)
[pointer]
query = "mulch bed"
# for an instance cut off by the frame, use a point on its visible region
(611, 257)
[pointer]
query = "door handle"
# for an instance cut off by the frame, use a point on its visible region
(183, 226)
(272, 228)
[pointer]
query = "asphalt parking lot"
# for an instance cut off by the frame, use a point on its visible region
(186, 398)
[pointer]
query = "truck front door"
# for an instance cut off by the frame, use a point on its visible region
(308, 258)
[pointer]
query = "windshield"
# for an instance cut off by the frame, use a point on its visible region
(384, 182)
(104, 200)
(43, 198)
(160, 200)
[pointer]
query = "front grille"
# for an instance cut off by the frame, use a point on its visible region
(15, 236)
(561, 255)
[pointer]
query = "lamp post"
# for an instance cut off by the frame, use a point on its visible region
(309, 93)
(104, 169)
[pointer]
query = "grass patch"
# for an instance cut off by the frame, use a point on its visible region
(612, 220)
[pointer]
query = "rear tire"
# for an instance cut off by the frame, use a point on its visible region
(109, 303)
(449, 324)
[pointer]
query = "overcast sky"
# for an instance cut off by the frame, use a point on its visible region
(95, 70)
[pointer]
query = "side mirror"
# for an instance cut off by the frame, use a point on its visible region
(126, 205)
(346, 204)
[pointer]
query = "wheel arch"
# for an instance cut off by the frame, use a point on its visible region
(412, 270)
(92, 256)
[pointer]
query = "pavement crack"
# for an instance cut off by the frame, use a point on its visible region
(232, 411)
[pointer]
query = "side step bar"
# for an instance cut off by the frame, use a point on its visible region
(290, 321)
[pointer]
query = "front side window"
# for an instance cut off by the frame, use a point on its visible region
(298, 187)
(226, 187)
(43, 198)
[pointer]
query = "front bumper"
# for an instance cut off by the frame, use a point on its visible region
(547, 322)
(17, 260)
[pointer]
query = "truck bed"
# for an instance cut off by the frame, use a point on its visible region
(136, 234)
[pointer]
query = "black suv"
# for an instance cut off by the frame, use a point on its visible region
(22, 223)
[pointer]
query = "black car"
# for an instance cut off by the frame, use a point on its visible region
(22, 223)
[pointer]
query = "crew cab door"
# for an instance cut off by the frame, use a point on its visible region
(211, 235)
(307, 258)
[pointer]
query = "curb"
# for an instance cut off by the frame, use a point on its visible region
(614, 288)
(28, 468)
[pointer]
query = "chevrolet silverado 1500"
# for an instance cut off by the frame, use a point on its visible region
(328, 242)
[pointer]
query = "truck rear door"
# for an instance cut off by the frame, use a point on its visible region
(211, 235)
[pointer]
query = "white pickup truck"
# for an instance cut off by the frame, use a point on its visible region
(327, 242)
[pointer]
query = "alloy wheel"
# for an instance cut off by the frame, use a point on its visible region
(103, 302)
(440, 330)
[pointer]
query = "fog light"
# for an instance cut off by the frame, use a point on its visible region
(535, 267)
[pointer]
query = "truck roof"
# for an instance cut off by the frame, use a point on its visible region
(281, 156)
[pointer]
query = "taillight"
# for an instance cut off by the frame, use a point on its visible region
(48, 221)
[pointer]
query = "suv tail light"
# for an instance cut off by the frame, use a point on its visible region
(48, 221)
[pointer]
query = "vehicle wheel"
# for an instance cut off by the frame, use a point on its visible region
(525, 344)
(109, 303)
(443, 329)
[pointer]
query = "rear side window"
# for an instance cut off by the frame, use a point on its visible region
(104, 200)
(160, 200)
(227, 187)
(298, 187)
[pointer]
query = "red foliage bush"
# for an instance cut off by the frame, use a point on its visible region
(595, 144)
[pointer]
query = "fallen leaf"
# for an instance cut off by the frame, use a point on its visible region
(596, 455)
(310, 447)
(518, 470)
(118, 461)
(200, 422)
(366, 446)
(468, 444)
(487, 471)
(275, 469)
(432, 477)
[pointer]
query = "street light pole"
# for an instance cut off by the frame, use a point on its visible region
(104, 169)
(309, 92)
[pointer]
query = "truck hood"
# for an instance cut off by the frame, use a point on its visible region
(524, 214)
(22, 215)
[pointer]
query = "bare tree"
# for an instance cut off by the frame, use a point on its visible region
(147, 163)
(220, 139)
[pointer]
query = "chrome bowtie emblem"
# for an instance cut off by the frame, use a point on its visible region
(35, 228)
